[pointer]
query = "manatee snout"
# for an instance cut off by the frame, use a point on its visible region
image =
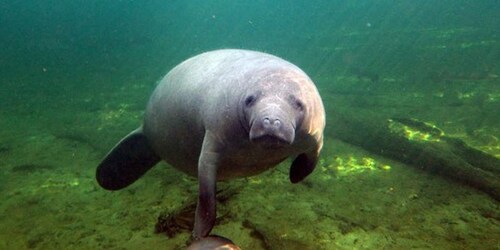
(272, 119)
(272, 130)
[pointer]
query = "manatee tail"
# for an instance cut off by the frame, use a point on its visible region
(131, 158)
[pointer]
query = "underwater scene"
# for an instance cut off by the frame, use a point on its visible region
(411, 148)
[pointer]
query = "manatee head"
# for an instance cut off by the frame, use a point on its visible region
(272, 109)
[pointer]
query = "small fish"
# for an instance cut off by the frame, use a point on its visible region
(213, 242)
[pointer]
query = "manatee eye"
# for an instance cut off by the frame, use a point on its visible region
(299, 105)
(250, 100)
(296, 103)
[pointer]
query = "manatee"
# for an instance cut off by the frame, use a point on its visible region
(220, 115)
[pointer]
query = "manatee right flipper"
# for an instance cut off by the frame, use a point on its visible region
(131, 158)
(208, 164)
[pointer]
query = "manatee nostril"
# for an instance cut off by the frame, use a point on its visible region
(268, 122)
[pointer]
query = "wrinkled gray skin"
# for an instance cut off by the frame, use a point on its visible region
(220, 115)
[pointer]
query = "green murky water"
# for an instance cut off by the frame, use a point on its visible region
(75, 77)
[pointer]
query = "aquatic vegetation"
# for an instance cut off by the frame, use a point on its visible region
(345, 166)
(415, 130)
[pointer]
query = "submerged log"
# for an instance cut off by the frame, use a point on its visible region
(420, 145)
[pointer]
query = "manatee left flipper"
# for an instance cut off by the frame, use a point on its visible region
(207, 179)
(303, 165)
(131, 158)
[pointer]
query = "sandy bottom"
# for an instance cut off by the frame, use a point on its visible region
(354, 200)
